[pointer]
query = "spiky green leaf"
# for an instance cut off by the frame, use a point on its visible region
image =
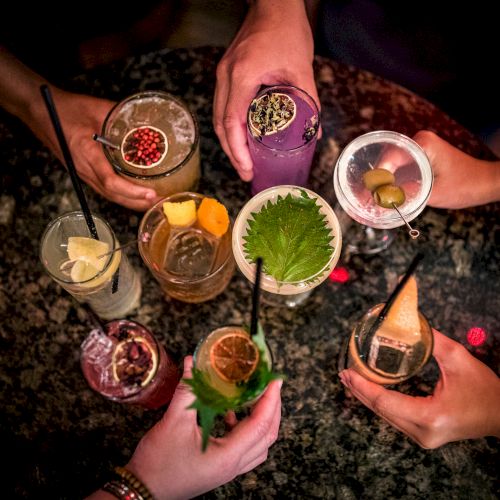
(292, 237)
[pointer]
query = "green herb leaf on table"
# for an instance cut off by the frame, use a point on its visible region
(210, 403)
(292, 237)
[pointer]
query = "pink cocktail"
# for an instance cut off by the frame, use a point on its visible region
(127, 364)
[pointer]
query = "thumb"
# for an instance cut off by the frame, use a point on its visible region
(384, 402)
(183, 396)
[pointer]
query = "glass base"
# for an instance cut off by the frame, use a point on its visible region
(290, 301)
(360, 239)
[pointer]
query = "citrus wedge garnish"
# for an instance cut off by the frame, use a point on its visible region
(134, 362)
(144, 147)
(271, 113)
(88, 250)
(234, 357)
(180, 213)
(83, 271)
(213, 217)
(402, 321)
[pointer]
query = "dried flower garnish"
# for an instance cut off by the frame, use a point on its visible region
(271, 113)
(310, 129)
(144, 147)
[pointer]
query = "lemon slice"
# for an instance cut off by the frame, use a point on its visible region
(87, 250)
(83, 271)
(134, 362)
(144, 147)
(180, 213)
(271, 113)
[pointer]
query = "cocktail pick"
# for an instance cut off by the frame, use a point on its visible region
(256, 298)
(106, 142)
(144, 238)
(387, 306)
(47, 97)
(414, 233)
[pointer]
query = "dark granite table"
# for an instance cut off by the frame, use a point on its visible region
(58, 438)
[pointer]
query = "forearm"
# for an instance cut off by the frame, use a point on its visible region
(489, 187)
(19, 86)
(274, 11)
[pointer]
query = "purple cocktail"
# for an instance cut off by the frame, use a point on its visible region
(282, 129)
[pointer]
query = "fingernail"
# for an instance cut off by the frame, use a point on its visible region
(150, 195)
(280, 383)
(344, 378)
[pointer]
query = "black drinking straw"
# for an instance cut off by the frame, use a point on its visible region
(47, 97)
(383, 313)
(256, 298)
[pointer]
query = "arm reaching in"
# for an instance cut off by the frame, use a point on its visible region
(169, 460)
(460, 181)
(273, 46)
(465, 403)
(81, 117)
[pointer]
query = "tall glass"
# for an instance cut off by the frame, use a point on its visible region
(112, 292)
(157, 142)
(189, 263)
(388, 359)
(411, 171)
(283, 293)
(127, 364)
(282, 155)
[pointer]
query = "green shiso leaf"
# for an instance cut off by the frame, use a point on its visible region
(210, 403)
(292, 237)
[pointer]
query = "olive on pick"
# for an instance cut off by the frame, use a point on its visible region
(389, 195)
(376, 177)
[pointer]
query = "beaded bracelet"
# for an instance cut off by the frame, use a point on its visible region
(121, 490)
(134, 483)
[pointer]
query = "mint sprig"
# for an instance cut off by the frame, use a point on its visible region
(210, 403)
(292, 237)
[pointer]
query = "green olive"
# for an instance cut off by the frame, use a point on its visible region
(389, 195)
(372, 179)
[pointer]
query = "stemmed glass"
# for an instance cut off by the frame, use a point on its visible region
(408, 171)
(274, 291)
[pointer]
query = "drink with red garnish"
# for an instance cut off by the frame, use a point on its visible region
(156, 142)
(126, 364)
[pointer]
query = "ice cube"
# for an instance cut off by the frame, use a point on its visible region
(98, 347)
(390, 356)
(191, 253)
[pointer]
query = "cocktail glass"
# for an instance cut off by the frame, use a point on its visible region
(276, 292)
(387, 359)
(282, 154)
(189, 263)
(406, 160)
(113, 291)
(202, 361)
(157, 142)
(126, 364)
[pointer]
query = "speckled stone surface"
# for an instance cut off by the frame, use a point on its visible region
(59, 438)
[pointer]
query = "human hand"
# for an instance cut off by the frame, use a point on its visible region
(82, 116)
(465, 403)
(460, 181)
(169, 459)
(266, 51)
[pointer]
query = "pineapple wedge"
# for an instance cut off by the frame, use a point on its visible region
(181, 213)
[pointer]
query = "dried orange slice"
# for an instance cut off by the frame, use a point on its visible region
(134, 362)
(213, 217)
(234, 357)
(270, 113)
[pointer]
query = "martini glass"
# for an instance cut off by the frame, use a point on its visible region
(412, 172)
(275, 292)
